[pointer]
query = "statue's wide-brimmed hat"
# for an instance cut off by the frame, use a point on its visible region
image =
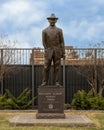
(52, 17)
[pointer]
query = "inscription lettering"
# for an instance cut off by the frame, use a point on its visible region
(44, 93)
(51, 100)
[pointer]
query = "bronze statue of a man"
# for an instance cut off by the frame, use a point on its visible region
(53, 42)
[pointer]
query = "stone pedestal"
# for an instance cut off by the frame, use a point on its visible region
(50, 102)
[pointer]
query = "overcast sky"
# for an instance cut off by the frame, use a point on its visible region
(82, 21)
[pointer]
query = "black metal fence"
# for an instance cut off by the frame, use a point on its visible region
(23, 68)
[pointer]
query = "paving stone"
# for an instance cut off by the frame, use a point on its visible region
(70, 120)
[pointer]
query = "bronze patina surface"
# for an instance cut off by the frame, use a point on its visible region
(53, 42)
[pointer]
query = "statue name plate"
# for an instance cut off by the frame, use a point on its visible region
(50, 99)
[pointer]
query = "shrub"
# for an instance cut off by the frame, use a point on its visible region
(79, 101)
(8, 101)
(83, 100)
(101, 104)
(67, 106)
(96, 102)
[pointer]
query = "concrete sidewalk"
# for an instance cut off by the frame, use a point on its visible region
(70, 120)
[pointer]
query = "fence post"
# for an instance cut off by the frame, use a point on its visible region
(1, 67)
(64, 74)
(33, 76)
(95, 70)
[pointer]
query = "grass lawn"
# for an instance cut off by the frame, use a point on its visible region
(96, 116)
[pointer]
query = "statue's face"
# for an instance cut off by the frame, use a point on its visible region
(52, 22)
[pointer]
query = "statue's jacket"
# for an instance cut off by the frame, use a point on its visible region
(53, 42)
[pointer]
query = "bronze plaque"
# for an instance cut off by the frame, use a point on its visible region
(50, 99)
